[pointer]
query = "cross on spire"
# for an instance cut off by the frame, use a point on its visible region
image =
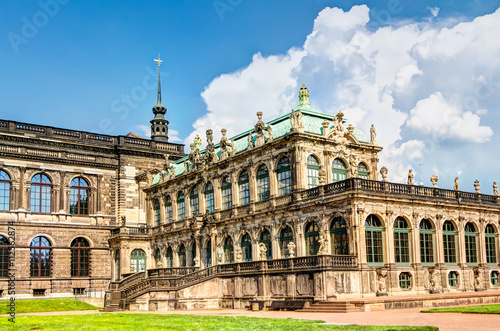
(159, 61)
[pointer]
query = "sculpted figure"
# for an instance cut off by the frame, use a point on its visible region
(477, 186)
(495, 189)
(456, 185)
(373, 135)
(434, 180)
(270, 132)
(210, 155)
(296, 119)
(353, 166)
(304, 95)
(250, 141)
(381, 287)
(262, 251)
(260, 126)
(238, 253)
(434, 283)
(478, 279)
(322, 177)
(323, 249)
(383, 172)
(337, 123)
(291, 249)
(410, 177)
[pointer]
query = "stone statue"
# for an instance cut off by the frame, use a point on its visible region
(291, 249)
(196, 261)
(270, 133)
(159, 264)
(322, 177)
(434, 180)
(373, 135)
(338, 127)
(381, 288)
(495, 189)
(195, 158)
(434, 281)
(296, 120)
(353, 166)
(410, 177)
(478, 279)
(262, 251)
(238, 254)
(477, 186)
(197, 142)
(223, 145)
(260, 126)
(233, 149)
(210, 155)
(383, 172)
(323, 249)
(250, 141)
(304, 95)
(456, 185)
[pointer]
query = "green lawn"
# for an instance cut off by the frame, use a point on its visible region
(130, 322)
(484, 309)
(28, 306)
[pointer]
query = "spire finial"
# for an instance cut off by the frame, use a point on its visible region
(304, 95)
(159, 61)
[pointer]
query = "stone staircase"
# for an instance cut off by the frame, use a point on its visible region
(331, 307)
(112, 302)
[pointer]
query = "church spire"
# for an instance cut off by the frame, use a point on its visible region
(159, 125)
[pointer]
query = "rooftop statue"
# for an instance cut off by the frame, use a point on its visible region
(304, 95)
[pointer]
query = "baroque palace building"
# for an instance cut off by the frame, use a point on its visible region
(294, 209)
(62, 192)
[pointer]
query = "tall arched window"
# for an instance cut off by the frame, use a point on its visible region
(170, 257)
(244, 188)
(362, 171)
(157, 216)
(262, 183)
(227, 193)
(286, 236)
(339, 170)
(373, 236)
(4, 257)
(168, 209)
(80, 257)
(4, 191)
(284, 176)
(208, 253)
(312, 171)
(117, 265)
(79, 197)
(246, 247)
(426, 243)
(228, 250)
(157, 257)
(312, 238)
(40, 194)
(193, 201)
(265, 238)
(40, 257)
(491, 250)
(182, 255)
(209, 197)
(401, 242)
(449, 243)
(181, 207)
(338, 234)
(193, 254)
(470, 244)
(138, 260)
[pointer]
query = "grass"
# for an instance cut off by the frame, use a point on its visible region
(483, 309)
(29, 306)
(130, 322)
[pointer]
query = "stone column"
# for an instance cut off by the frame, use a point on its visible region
(461, 260)
(438, 245)
(187, 205)
(481, 246)
(252, 184)
(162, 210)
(297, 170)
(98, 197)
(361, 243)
(62, 193)
(273, 187)
(22, 189)
(328, 166)
(234, 189)
(217, 194)
(388, 244)
(173, 198)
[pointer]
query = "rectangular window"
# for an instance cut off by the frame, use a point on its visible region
(168, 211)
(491, 256)
(227, 198)
(374, 248)
(39, 292)
(426, 249)
(244, 193)
(401, 247)
(470, 249)
(450, 256)
(181, 210)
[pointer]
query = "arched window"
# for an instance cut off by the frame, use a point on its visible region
(449, 243)
(227, 193)
(470, 244)
(312, 237)
(362, 171)
(193, 254)
(40, 194)
(170, 257)
(117, 265)
(426, 243)
(244, 188)
(182, 256)
(491, 250)
(262, 183)
(228, 250)
(157, 257)
(265, 237)
(79, 197)
(4, 257)
(208, 253)
(40, 257)
(168, 209)
(373, 236)
(181, 207)
(156, 208)
(339, 170)
(246, 247)
(312, 171)
(138, 260)
(401, 242)
(338, 234)
(284, 176)
(286, 236)
(209, 197)
(193, 201)
(4, 191)
(80, 257)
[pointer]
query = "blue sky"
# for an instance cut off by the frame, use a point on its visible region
(88, 65)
